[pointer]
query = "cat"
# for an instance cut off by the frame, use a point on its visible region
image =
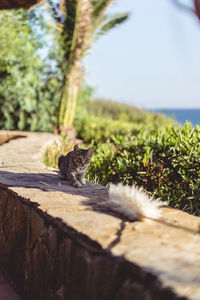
(73, 166)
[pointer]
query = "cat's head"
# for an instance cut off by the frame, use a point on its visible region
(82, 157)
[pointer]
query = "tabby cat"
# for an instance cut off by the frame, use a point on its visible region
(73, 166)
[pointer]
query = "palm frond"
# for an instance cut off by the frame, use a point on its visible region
(112, 22)
(99, 7)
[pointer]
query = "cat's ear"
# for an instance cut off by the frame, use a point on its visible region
(90, 152)
(76, 148)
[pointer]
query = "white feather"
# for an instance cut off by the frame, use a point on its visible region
(132, 202)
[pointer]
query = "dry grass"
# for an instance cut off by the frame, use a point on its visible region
(53, 151)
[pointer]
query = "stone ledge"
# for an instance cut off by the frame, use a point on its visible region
(55, 244)
(47, 259)
(6, 136)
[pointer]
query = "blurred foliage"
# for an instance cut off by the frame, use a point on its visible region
(29, 85)
(125, 112)
(96, 129)
(98, 120)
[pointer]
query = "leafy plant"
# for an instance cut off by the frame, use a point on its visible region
(165, 164)
(96, 129)
(98, 120)
(128, 113)
(30, 87)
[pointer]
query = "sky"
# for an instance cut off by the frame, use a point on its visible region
(152, 60)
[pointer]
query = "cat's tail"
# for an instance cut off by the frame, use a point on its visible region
(132, 202)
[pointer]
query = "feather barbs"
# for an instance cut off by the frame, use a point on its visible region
(133, 202)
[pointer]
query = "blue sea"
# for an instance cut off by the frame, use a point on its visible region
(182, 115)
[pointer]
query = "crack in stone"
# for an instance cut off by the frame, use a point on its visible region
(118, 234)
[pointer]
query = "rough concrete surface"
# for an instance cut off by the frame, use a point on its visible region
(56, 244)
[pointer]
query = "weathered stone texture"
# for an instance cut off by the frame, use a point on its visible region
(7, 136)
(48, 260)
(56, 244)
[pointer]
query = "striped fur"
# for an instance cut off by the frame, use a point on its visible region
(73, 166)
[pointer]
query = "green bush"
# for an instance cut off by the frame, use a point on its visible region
(114, 110)
(127, 113)
(165, 164)
(30, 87)
(98, 120)
(96, 129)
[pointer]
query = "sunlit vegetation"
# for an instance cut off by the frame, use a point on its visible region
(29, 85)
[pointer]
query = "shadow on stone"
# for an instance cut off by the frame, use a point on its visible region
(52, 182)
(6, 137)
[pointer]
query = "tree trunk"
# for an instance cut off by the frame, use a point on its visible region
(79, 42)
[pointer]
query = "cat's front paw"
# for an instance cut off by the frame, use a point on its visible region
(83, 181)
(77, 184)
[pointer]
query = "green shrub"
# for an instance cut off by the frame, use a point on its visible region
(165, 164)
(92, 128)
(30, 87)
(98, 120)
(127, 113)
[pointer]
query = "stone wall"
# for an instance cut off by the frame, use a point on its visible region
(45, 259)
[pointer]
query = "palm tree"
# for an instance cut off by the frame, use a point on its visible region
(81, 22)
